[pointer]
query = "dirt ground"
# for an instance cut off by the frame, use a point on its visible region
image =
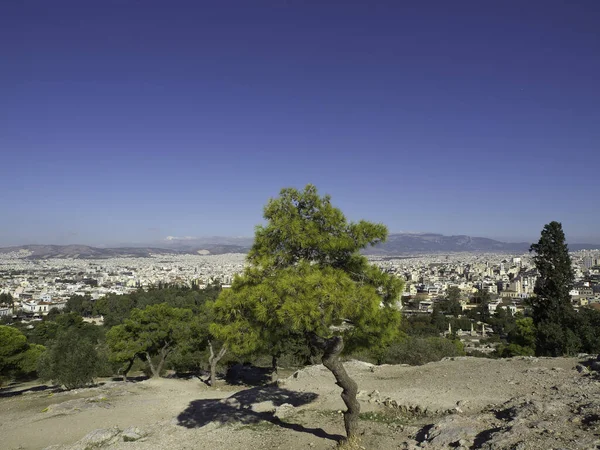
(468, 403)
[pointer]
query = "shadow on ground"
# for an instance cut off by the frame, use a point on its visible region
(131, 379)
(238, 408)
(249, 375)
(13, 391)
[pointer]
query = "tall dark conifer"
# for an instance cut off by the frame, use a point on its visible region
(553, 313)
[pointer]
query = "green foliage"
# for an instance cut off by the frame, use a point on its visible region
(553, 314)
(508, 351)
(524, 333)
(588, 330)
(47, 331)
(302, 226)
(6, 299)
(81, 305)
(17, 357)
(155, 331)
(306, 275)
(417, 351)
(72, 360)
(552, 302)
(502, 321)
(481, 312)
(451, 304)
(419, 325)
(29, 359)
(116, 308)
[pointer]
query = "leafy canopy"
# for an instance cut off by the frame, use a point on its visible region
(306, 275)
(150, 330)
(17, 357)
(72, 360)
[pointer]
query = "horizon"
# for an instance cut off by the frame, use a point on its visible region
(207, 240)
(122, 122)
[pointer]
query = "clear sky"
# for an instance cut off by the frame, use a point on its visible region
(129, 121)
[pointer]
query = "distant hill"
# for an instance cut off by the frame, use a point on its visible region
(403, 243)
(88, 252)
(400, 243)
(397, 244)
(83, 251)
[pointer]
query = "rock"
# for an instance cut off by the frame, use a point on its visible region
(409, 445)
(263, 407)
(284, 410)
(132, 434)
(98, 438)
(450, 430)
(362, 395)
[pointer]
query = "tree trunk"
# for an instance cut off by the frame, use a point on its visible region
(213, 361)
(155, 373)
(274, 372)
(128, 368)
(164, 352)
(332, 348)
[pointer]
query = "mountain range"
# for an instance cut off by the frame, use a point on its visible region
(397, 244)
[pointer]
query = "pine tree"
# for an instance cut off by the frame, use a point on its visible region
(306, 278)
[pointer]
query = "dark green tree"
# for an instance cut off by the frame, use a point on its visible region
(17, 357)
(81, 304)
(451, 304)
(307, 278)
(152, 333)
(72, 360)
(482, 298)
(7, 299)
(553, 314)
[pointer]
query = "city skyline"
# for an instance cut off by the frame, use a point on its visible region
(128, 123)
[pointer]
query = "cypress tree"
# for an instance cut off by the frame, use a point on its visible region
(553, 313)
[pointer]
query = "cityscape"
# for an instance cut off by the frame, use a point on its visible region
(38, 285)
(289, 224)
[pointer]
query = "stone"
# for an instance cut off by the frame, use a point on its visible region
(284, 410)
(451, 430)
(132, 434)
(98, 438)
(263, 407)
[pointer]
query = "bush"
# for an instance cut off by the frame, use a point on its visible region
(511, 350)
(18, 359)
(418, 351)
(71, 361)
(188, 361)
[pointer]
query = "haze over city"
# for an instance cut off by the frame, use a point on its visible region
(128, 122)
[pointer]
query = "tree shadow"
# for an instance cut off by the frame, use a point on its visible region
(238, 408)
(11, 392)
(134, 379)
(249, 375)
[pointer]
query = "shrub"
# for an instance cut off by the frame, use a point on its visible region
(71, 361)
(511, 350)
(418, 351)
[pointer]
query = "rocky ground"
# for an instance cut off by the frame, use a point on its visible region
(468, 403)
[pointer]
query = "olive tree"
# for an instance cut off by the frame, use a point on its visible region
(306, 277)
(72, 360)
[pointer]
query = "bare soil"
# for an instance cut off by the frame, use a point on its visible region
(468, 403)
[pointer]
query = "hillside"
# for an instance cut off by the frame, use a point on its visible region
(467, 403)
(397, 244)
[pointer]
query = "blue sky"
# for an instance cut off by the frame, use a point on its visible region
(129, 121)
